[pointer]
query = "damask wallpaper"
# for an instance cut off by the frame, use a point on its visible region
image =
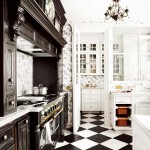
(67, 68)
(95, 81)
(24, 74)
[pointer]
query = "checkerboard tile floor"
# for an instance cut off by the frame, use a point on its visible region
(93, 135)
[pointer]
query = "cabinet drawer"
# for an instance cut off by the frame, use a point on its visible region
(90, 91)
(91, 98)
(120, 99)
(90, 107)
(6, 136)
(142, 99)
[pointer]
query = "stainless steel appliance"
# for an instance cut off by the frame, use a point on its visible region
(45, 119)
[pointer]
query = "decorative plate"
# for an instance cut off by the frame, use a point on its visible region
(50, 9)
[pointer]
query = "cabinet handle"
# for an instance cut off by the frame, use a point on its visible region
(5, 137)
(26, 121)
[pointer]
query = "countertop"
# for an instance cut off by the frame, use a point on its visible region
(92, 88)
(131, 93)
(9, 118)
(144, 122)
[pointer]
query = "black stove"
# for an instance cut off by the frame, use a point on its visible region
(30, 99)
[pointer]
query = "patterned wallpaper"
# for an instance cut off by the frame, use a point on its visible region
(93, 81)
(67, 68)
(24, 74)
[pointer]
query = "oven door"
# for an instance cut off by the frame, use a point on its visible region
(50, 133)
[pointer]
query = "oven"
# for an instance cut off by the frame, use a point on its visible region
(45, 123)
(50, 132)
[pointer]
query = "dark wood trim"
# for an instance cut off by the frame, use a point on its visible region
(59, 8)
(32, 8)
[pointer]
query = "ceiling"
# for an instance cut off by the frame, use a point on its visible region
(92, 11)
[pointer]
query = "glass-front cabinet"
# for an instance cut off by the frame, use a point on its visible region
(89, 58)
(131, 54)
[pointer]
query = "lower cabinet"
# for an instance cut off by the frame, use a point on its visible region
(23, 134)
(90, 100)
(140, 137)
(16, 135)
(7, 137)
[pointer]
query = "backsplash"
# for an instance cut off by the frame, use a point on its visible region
(24, 73)
(92, 80)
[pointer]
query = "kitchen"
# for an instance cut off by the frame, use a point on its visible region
(44, 52)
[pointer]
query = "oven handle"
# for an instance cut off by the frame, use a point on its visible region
(58, 113)
(43, 126)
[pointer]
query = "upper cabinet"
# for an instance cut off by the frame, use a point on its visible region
(89, 56)
(131, 54)
(39, 22)
(92, 54)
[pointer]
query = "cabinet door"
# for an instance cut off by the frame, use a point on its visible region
(24, 134)
(83, 63)
(11, 67)
(12, 147)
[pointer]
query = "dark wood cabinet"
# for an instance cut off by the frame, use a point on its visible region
(8, 64)
(10, 78)
(23, 131)
(7, 138)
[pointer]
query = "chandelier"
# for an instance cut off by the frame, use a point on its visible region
(116, 12)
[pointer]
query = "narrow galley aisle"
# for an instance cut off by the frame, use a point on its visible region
(92, 135)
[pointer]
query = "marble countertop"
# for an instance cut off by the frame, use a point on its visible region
(131, 93)
(9, 118)
(83, 87)
(143, 121)
(63, 92)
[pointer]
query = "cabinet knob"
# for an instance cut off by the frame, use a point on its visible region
(10, 80)
(12, 102)
(5, 137)
(26, 121)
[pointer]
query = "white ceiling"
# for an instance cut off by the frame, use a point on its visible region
(79, 11)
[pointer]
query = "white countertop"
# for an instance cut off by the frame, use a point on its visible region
(63, 92)
(131, 93)
(144, 122)
(9, 118)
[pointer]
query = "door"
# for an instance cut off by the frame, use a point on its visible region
(76, 77)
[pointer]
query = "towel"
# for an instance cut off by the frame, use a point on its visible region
(45, 135)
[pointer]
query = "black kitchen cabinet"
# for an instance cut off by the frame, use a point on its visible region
(8, 64)
(7, 138)
(23, 131)
(10, 78)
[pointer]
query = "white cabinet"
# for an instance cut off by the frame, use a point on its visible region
(126, 104)
(141, 104)
(90, 100)
(141, 136)
(121, 111)
(89, 58)
(102, 54)
(118, 63)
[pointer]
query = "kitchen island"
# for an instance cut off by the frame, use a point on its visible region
(141, 132)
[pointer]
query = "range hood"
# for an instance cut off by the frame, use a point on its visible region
(27, 47)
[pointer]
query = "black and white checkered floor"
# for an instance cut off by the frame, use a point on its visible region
(93, 135)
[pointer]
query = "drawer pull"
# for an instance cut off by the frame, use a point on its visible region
(5, 137)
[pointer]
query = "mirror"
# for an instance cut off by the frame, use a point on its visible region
(131, 54)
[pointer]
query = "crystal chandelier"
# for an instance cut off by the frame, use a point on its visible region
(116, 12)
